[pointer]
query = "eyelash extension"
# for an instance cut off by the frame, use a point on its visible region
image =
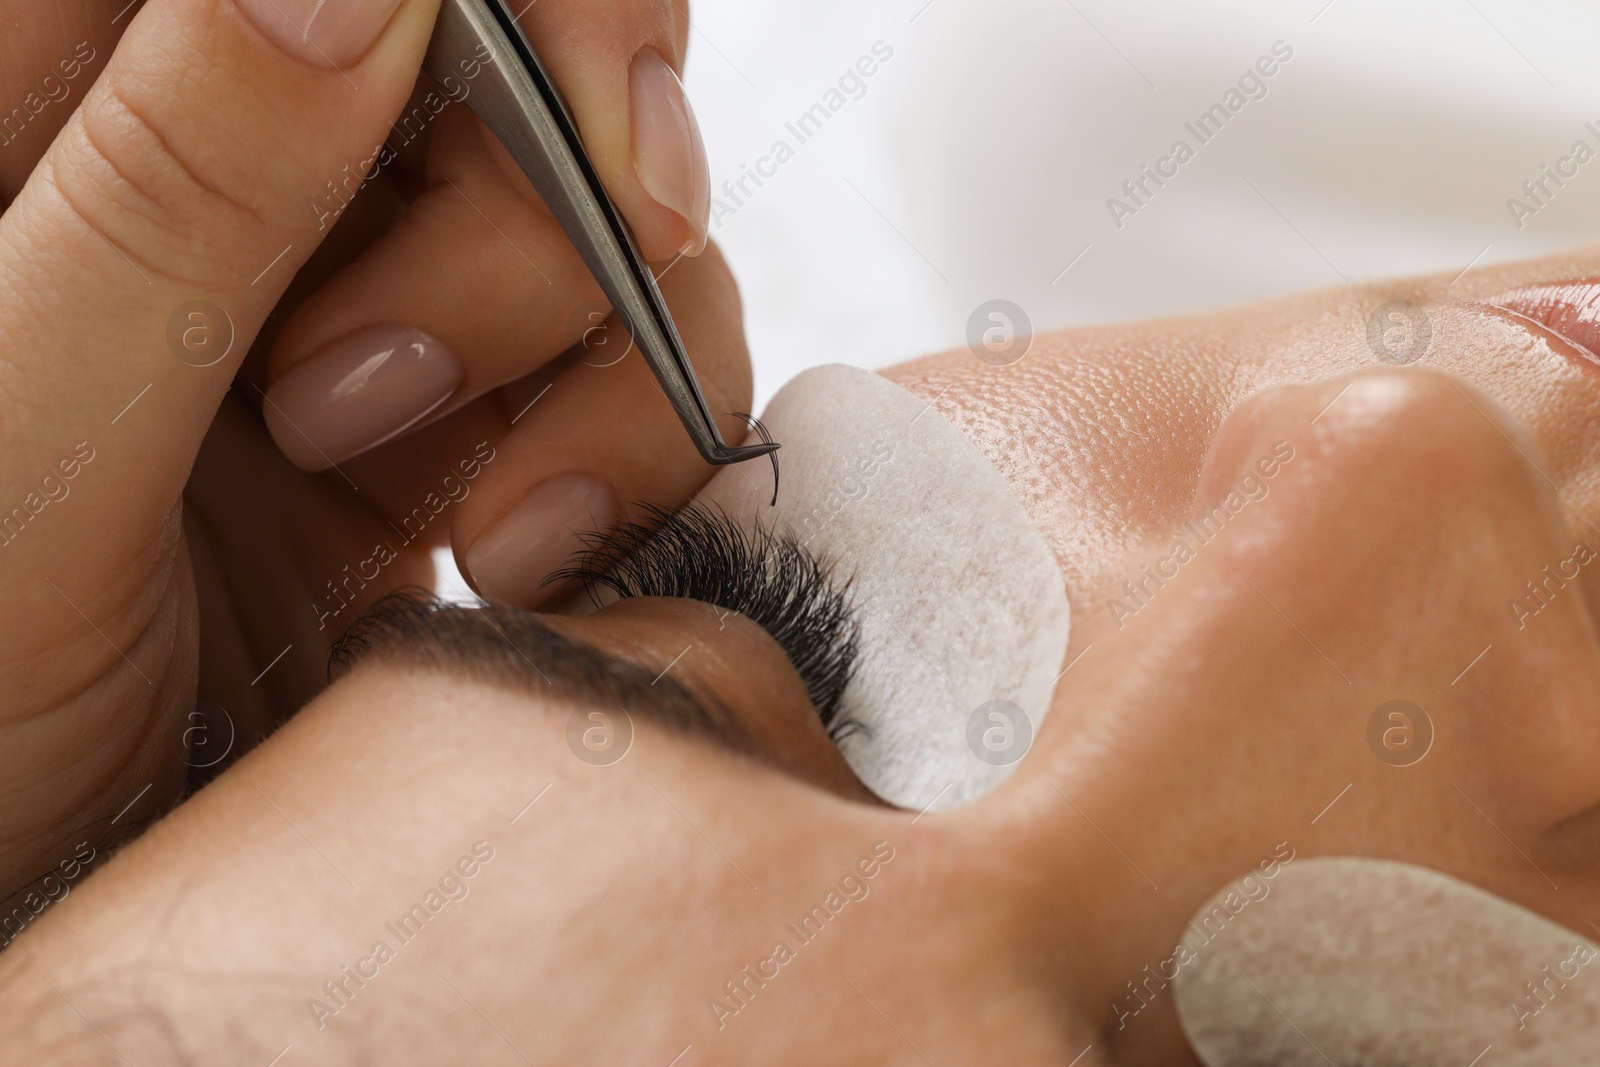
(700, 553)
(760, 429)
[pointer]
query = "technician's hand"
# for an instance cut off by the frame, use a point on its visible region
(155, 235)
(473, 286)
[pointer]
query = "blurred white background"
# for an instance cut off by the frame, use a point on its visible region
(978, 161)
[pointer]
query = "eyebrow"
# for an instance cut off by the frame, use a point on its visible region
(512, 648)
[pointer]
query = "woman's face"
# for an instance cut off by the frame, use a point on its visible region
(1270, 532)
(1419, 533)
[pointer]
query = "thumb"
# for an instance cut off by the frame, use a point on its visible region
(164, 223)
(139, 260)
(136, 264)
(175, 206)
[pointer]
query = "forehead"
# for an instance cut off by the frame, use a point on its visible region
(655, 880)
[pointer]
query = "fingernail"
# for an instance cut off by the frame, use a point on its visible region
(541, 534)
(359, 392)
(329, 33)
(668, 153)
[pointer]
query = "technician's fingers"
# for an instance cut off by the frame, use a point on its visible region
(617, 62)
(49, 56)
(173, 202)
(476, 287)
(479, 285)
(601, 439)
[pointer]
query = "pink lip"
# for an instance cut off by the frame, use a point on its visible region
(1569, 309)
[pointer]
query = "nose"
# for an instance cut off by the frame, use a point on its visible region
(1336, 668)
(1428, 556)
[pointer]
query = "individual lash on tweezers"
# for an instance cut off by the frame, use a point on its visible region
(516, 98)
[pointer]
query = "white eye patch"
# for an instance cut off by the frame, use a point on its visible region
(963, 614)
(1371, 962)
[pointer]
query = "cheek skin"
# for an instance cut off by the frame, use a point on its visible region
(1102, 432)
(1072, 429)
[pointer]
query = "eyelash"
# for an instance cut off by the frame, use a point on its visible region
(700, 553)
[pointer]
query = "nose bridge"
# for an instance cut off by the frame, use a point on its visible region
(1371, 581)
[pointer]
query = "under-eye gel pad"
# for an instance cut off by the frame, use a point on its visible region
(1383, 964)
(962, 611)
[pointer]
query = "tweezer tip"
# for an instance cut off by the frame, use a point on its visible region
(740, 453)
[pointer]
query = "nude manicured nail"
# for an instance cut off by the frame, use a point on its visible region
(358, 392)
(668, 153)
(540, 535)
(329, 33)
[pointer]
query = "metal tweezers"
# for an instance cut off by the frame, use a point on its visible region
(516, 98)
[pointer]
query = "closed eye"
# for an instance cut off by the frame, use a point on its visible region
(701, 553)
